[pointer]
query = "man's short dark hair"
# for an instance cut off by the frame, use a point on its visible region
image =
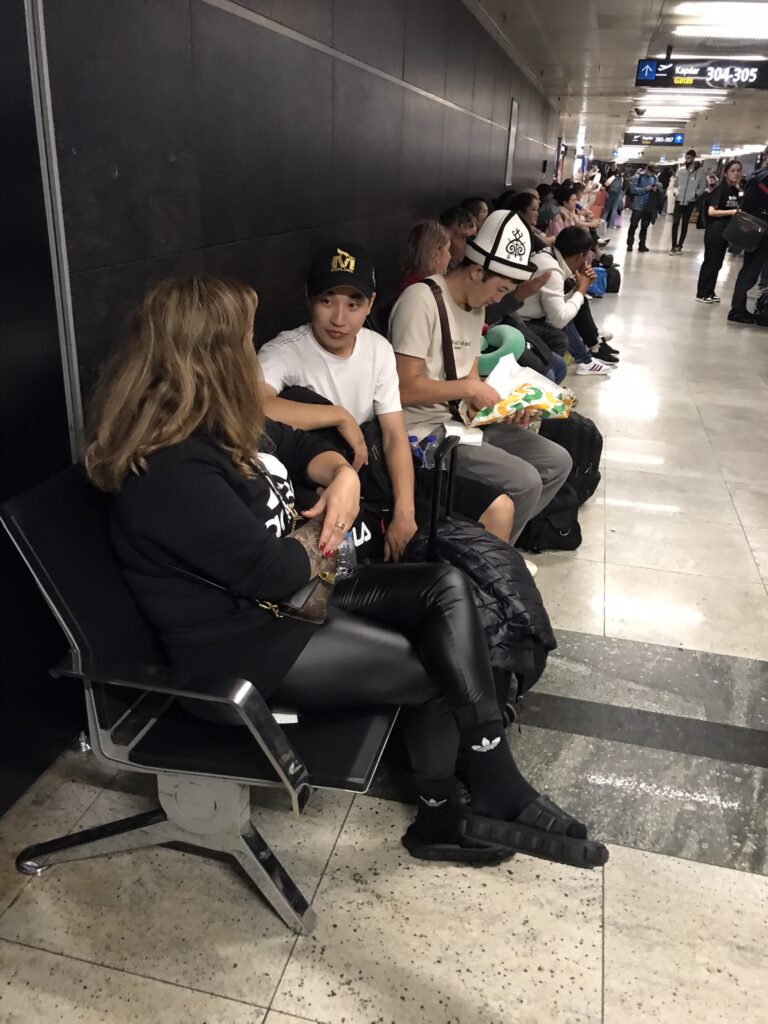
(456, 216)
(544, 190)
(521, 202)
(473, 204)
(690, 152)
(573, 241)
(467, 264)
(563, 193)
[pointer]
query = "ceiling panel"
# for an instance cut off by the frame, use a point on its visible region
(583, 57)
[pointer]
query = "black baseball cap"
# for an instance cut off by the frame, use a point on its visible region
(341, 266)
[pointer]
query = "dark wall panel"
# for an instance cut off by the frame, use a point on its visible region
(371, 30)
(38, 715)
(264, 147)
(189, 136)
(121, 81)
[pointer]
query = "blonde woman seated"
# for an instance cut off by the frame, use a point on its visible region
(201, 482)
(427, 251)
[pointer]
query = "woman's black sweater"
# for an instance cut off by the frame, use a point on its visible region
(191, 508)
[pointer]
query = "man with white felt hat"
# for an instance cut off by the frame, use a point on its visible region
(436, 327)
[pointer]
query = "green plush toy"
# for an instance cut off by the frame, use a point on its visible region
(500, 341)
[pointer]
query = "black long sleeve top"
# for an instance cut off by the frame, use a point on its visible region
(192, 509)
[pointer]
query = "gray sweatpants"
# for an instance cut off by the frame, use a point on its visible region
(529, 468)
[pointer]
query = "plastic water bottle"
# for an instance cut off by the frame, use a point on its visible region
(346, 563)
(416, 450)
(430, 450)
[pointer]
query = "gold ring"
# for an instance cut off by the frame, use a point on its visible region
(340, 525)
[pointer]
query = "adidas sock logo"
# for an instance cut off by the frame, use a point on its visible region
(487, 745)
(432, 803)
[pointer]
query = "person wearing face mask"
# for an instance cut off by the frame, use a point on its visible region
(722, 204)
(529, 469)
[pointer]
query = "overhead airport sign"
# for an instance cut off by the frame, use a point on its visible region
(704, 74)
(667, 139)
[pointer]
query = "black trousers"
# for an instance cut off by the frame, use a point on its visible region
(748, 275)
(643, 218)
(714, 254)
(681, 218)
(407, 635)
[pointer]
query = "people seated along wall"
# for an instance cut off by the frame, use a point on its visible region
(460, 225)
(561, 302)
(353, 368)
(526, 467)
(179, 441)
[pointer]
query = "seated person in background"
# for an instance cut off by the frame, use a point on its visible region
(527, 204)
(478, 207)
(427, 251)
(354, 368)
(567, 199)
(529, 468)
(559, 305)
(197, 478)
(460, 225)
(548, 208)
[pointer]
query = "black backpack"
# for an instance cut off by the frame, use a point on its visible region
(761, 309)
(555, 528)
(584, 443)
(612, 279)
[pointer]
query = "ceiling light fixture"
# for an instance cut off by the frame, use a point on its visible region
(713, 56)
(757, 31)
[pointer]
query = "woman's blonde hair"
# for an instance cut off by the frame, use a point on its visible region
(187, 361)
(424, 239)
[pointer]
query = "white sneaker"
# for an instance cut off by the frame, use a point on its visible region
(531, 567)
(593, 368)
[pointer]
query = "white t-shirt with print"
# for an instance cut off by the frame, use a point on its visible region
(414, 327)
(364, 383)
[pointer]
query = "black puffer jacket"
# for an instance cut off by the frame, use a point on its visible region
(514, 618)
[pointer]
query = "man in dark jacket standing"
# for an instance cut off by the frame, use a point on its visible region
(755, 201)
(642, 185)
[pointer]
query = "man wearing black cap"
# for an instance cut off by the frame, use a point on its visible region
(528, 468)
(353, 368)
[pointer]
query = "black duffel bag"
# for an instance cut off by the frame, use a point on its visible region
(555, 528)
(612, 279)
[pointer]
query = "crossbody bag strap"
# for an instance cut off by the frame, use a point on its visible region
(449, 360)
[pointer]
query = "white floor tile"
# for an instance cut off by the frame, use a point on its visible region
(757, 537)
(705, 498)
(684, 942)
(174, 916)
(573, 590)
(678, 544)
(681, 610)
(43, 988)
(414, 943)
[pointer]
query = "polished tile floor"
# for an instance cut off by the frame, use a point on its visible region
(651, 722)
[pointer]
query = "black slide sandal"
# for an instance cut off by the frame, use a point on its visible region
(540, 830)
(468, 851)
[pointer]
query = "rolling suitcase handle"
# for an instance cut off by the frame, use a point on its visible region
(446, 450)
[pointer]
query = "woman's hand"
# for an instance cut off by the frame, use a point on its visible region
(338, 507)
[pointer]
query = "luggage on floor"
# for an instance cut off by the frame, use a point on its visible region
(597, 288)
(516, 625)
(584, 443)
(612, 279)
(555, 528)
(761, 309)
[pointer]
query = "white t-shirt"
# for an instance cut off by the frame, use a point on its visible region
(414, 327)
(364, 383)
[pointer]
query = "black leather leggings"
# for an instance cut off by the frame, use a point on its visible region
(407, 635)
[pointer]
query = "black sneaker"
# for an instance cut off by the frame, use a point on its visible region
(605, 353)
(643, 248)
(629, 247)
(741, 318)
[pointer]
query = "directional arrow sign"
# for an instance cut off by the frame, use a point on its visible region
(664, 139)
(646, 70)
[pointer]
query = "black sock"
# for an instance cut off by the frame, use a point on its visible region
(498, 789)
(437, 817)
